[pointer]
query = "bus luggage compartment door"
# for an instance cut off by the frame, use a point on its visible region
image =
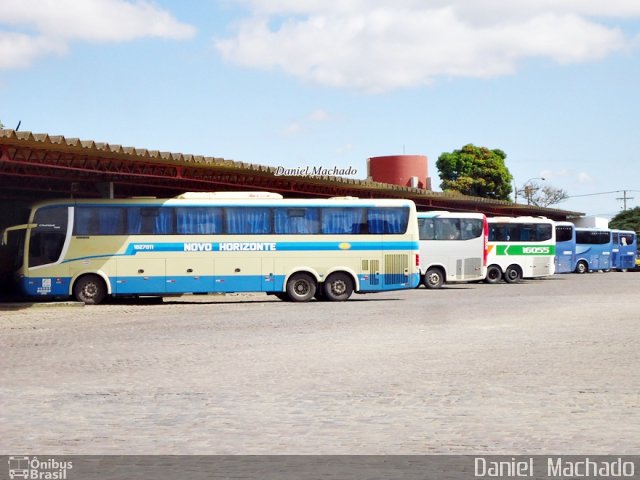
(194, 275)
(140, 276)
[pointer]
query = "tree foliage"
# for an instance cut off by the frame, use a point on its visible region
(627, 220)
(476, 171)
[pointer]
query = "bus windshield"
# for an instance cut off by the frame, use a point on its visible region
(47, 239)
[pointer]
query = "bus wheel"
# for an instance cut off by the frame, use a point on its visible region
(433, 278)
(301, 287)
(582, 267)
(338, 287)
(512, 274)
(494, 274)
(90, 289)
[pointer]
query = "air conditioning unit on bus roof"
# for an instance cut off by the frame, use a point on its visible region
(228, 195)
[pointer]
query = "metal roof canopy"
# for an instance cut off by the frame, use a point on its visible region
(38, 166)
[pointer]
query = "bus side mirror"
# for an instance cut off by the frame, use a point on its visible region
(5, 232)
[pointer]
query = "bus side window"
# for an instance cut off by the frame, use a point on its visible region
(426, 229)
(471, 228)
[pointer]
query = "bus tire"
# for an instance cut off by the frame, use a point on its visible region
(338, 287)
(301, 287)
(512, 274)
(433, 278)
(494, 274)
(90, 289)
(582, 267)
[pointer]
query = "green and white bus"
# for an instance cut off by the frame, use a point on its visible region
(216, 242)
(520, 247)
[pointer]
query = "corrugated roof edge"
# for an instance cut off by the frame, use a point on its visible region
(204, 161)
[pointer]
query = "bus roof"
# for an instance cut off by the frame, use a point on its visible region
(230, 200)
(447, 214)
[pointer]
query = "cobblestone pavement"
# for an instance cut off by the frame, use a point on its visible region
(546, 366)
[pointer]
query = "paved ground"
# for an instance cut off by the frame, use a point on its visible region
(546, 366)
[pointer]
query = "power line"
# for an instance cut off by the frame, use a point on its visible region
(593, 194)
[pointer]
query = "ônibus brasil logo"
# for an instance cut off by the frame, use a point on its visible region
(35, 469)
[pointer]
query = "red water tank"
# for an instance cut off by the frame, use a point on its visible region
(405, 170)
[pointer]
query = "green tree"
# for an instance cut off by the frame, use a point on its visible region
(476, 171)
(627, 220)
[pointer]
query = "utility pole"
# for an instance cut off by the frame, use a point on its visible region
(624, 199)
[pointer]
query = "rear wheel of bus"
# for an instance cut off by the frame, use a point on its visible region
(434, 278)
(582, 267)
(90, 289)
(338, 287)
(513, 274)
(494, 274)
(301, 287)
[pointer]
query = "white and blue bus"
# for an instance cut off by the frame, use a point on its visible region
(565, 247)
(216, 242)
(625, 246)
(593, 249)
(453, 247)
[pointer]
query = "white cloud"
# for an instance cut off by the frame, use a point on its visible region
(377, 45)
(33, 28)
(555, 174)
(344, 149)
(317, 116)
(584, 178)
(293, 128)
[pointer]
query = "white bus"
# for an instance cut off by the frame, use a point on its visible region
(453, 247)
(216, 242)
(521, 247)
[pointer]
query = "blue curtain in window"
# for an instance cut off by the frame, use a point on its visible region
(255, 221)
(110, 221)
(388, 220)
(134, 221)
(342, 220)
(297, 220)
(199, 220)
(83, 219)
(163, 224)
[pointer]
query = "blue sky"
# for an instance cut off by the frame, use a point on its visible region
(554, 84)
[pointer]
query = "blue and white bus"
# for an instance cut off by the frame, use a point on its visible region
(216, 242)
(625, 246)
(593, 249)
(565, 247)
